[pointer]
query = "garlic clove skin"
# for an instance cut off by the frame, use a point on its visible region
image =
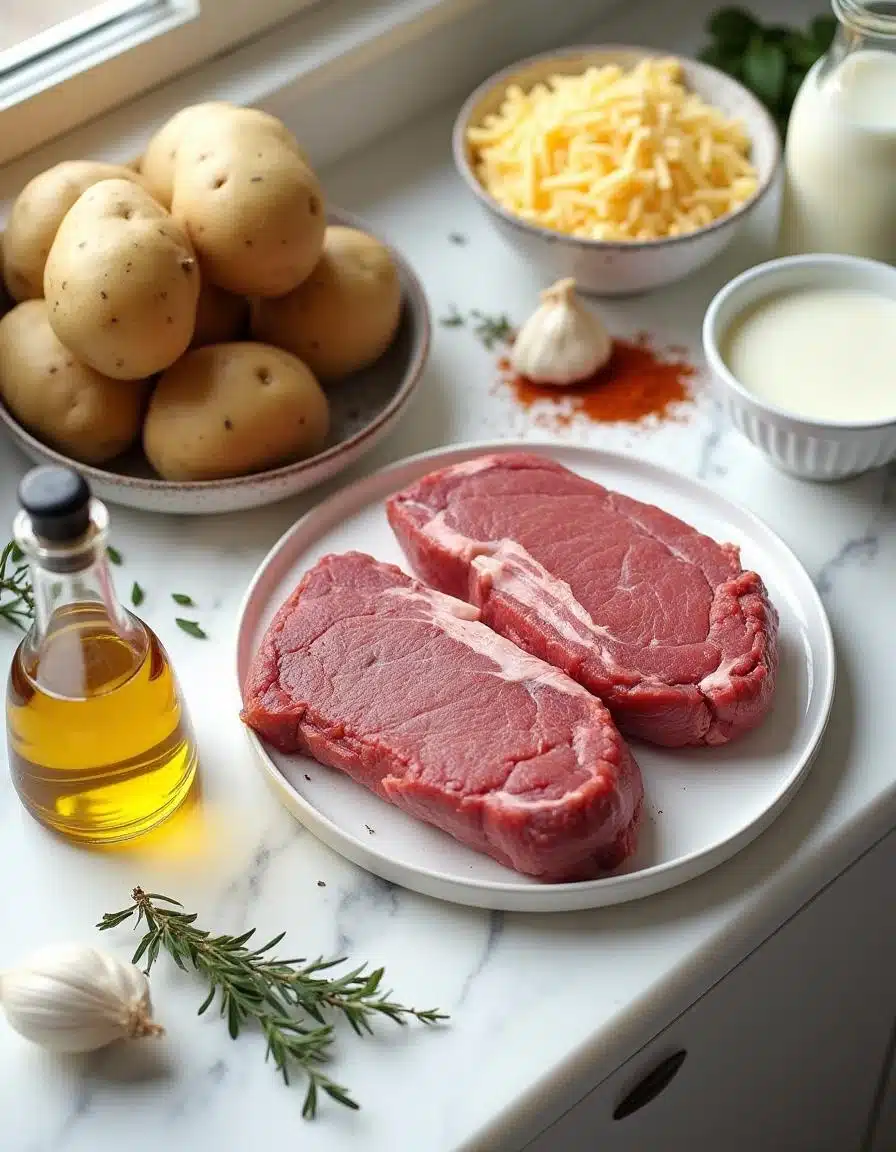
(72, 998)
(563, 342)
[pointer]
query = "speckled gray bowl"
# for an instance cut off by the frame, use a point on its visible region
(363, 409)
(598, 266)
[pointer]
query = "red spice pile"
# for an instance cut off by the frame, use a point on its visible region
(637, 383)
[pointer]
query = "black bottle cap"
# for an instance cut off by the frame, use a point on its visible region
(57, 501)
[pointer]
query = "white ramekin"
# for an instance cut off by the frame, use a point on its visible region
(814, 449)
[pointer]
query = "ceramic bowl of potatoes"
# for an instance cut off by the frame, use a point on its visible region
(619, 166)
(200, 332)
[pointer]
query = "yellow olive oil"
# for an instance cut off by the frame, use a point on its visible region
(99, 746)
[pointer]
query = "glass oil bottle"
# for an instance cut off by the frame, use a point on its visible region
(100, 744)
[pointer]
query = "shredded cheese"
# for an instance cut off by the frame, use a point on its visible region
(614, 155)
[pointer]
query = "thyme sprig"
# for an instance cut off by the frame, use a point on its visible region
(16, 597)
(286, 999)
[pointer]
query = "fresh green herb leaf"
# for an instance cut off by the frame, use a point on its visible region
(822, 30)
(765, 70)
(137, 595)
(792, 85)
(286, 999)
(802, 52)
(728, 62)
(191, 628)
(491, 330)
(452, 319)
(16, 594)
(731, 28)
(114, 555)
(775, 33)
(771, 59)
(182, 599)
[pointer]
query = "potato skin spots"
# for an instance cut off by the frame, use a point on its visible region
(122, 282)
(65, 403)
(232, 409)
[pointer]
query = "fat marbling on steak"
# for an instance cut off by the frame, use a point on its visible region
(659, 621)
(405, 690)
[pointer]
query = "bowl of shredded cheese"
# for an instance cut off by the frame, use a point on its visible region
(621, 167)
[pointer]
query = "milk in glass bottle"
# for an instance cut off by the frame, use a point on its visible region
(840, 155)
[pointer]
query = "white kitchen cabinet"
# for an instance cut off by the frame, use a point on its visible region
(785, 1053)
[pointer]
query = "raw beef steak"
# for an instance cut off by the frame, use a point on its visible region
(401, 687)
(657, 620)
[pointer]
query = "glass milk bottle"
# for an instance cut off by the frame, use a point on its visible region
(100, 745)
(840, 154)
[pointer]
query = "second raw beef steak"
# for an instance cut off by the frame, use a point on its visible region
(656, 619)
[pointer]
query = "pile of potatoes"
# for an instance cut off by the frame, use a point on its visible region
(196, 301)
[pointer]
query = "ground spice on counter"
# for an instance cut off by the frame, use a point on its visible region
(637, 382)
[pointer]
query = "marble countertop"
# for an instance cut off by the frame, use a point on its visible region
(541, 1007)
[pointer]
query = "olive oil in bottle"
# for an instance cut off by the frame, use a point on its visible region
(100, 744)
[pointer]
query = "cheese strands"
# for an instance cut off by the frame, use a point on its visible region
(614, 155)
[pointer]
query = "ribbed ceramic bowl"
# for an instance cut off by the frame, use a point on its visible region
(600, 267)
(363, 409)
(815, 449)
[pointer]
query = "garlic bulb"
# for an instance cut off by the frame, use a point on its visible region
(71, 998)
(562, 342)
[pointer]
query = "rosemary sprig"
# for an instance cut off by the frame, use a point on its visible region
(287, 999)
(16, 598)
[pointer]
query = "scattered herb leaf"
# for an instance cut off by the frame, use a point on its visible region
(491, 330)
(182, 599)
(16, 596)
(452, 319)
(137, 595)
(287, 999)
(191, 628)
(114, 555)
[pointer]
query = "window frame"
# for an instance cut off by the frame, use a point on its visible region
(105, 67)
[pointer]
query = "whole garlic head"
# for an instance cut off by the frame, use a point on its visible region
(562, 342)
(72, 998)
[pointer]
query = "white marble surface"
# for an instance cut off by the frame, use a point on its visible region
(541, 1007)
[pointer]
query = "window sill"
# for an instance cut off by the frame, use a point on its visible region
(340, 74)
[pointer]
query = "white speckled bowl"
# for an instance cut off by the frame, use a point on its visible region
(815, 449)
(363, 409)
(600, 267)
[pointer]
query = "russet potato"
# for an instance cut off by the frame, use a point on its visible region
(63, 402)
(345, 315)
(232, 409)
(158, 160)
(36, 214)
(122, 282)
(253, 208)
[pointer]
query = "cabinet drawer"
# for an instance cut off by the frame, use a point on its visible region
(785, 1053)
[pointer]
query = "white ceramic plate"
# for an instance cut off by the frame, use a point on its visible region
(362, 410)
(702, 804)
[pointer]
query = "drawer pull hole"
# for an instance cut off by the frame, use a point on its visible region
(651, 1086)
